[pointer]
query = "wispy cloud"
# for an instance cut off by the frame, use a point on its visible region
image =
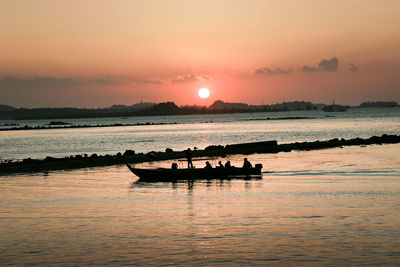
(309, 69)
(190, 78)
(53, 83)
(148, 81)
(38, 82)
(102, 81)
(118, 80)
(264, 71)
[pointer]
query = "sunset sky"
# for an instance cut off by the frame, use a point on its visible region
(99, 53)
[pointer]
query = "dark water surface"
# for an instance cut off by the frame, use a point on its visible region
(327, 207)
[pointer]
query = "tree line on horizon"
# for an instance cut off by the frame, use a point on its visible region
(161, 109)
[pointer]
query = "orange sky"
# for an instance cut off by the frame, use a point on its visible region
(99, 53)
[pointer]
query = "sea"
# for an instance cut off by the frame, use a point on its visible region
(328, 207)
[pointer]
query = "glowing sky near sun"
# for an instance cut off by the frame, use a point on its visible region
(99, 53)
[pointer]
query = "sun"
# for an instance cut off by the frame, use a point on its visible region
(204, 93)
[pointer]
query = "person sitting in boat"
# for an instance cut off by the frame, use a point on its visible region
(228, 164)
(220, 165)
(188, 154)
(247, 164)
(174, 166)
(208, 165)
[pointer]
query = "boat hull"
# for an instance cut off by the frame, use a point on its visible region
(162, 174)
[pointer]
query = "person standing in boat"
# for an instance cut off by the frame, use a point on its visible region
(188, 153)
(247, 164)
(228, 164)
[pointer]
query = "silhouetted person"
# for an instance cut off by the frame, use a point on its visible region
(188, 153)
(174, 166)
(208, 165)
(228, 165)
(247, 164)
(220, 165)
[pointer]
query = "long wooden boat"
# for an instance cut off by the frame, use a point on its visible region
(164, 174)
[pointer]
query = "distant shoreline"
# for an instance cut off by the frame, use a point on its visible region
(168, 108)
(63, 125)
(150, 109)
(44, 127)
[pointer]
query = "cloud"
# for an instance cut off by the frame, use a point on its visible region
(353, 67)
(38, 82)
(309, 69)
(53, 83)
(119, 80)
(330, 65)
(263, 71)
(145, 81)
(190, 78)
(103, 81)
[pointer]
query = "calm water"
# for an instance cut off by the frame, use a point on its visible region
(199, 131)
(327, 207)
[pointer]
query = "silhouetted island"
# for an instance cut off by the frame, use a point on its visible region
(149, 109)
(162, 109)
(379, 104)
